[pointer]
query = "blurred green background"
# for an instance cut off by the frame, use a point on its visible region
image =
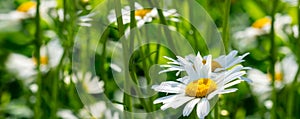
(46, 88)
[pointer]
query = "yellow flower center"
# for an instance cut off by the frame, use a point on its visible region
(43, 60)
(142, 12)
(85, 86)
(200, 88)
(260, 23)
(278, 76)
(25, 7)
(214, 65)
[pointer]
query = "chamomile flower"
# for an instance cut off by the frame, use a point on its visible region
(285, 72)
(85, 20)
(90, 84)
(98, 110)
(221, 63)
(291, 2)
(66, 114)
(20, 65)
(24, 67)
(247, 38)
(293, 30)
(198, 87)
(142, 15)
(28, 10)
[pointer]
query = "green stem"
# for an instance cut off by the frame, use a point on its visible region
(55, 86)
(126, 99)
(216, 111)
(146, 73)
(119, 17)
(145, 66)
(291, 97)
(158, 47)
(132, 24)
(135, 79)
(37, 106)
(225, 32)
(298, 39)
(166, 30)
(273, 60)
(103, 73)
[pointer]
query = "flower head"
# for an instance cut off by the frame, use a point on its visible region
(142, 15)
(24, 67)
(261, 23)
(85, 20)
(221, 63)
(285, 72)
(98, 110)
(90, 84)
(26, 6)
(66, 114)
(199, 86)
(28, 10)
(246, 39)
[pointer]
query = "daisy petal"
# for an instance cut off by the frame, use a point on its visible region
(180, 101)
(169, 58)
(228, 91)
(177, 102)
(184, 79)
(190, 106)
(169, 87)
(165, 99)
(203, 108)
(233, 77)
(232, 83)
(213, 94)
(191, 72)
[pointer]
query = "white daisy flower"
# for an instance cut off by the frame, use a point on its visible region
(142, 15)
(24, 67)
(66, 114)
(28, 10)
(291, 2)
(95, 110)
(247, 38)
(98, 110)
(285, 72)
(293, 30)
(111, 115)
(83, 20)
(91, 84)
(198, 87)
(20, 65)
(86, 20)
(221, 63)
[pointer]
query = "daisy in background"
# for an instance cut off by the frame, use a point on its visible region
(291, 2)
(97, 110)
(293, 30)
(28, 10)
(142, 15)
(221, 63)
(198, 87)
(66, 114)
(25, 67)
(90, 84)
(246, 39)
(85, 20)
(285, 72)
